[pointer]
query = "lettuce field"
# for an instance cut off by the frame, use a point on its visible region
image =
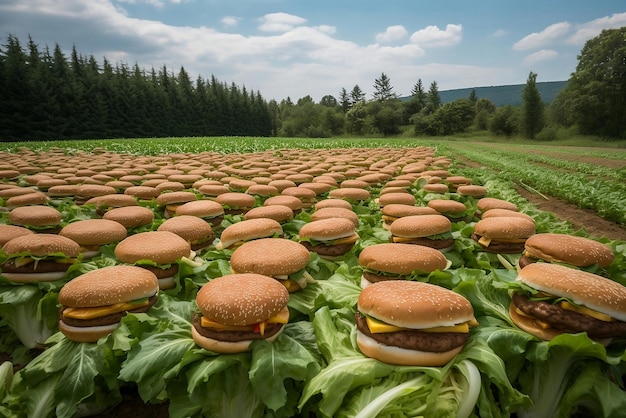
(150, 365)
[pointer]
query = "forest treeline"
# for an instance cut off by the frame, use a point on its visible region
(46, 95)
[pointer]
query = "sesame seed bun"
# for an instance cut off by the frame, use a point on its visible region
(247, 230)
(402, 259)
(331, 212)
(327, 229)
(130, 216)
(583, 288)
(94, 231)
(396, 197)
(8, 232)
(279, 213)
(570, 249)
(335, 203)
(493, 213)
(351, 194)
(505, 227)
(35, 216)
(161, 247)
(192, 229)
(448, 207)
(487, 203)
(270, 257)
(417, 226)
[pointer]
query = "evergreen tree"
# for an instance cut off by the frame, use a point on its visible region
(383, 91)
(344, 100)
(356, 95)
(532, 108)
(418, 99)
(433, 100)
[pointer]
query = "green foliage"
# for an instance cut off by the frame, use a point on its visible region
(532, 108)
(505, 121)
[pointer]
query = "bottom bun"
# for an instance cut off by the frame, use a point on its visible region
(35, 277)
(530, 326)
(226, 347)
(86, 334)
(364, 282)
(167, 283)
(403, 356)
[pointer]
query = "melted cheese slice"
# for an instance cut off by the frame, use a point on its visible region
(586, 311)
(377, 327)
(98, 311)
(539, 322)
(484, 241)
(348, 240)
(281, 317)
(403, 239)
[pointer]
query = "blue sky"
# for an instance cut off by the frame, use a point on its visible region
(294, 48)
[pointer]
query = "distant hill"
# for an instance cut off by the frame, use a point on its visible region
(505, 95)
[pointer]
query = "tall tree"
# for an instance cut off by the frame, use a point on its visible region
(383, 90)
(433, 100)
(344, 100)
(533, 118)
(356, 95)
(418, 99)
(595, 95)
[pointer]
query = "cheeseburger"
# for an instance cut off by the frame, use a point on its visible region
(157, 251)
(503, 234)
(94, 303)
(329, 238)
(556, 299)
(412, 323)
(280, 258)
(575, 251)
(433, 231)
(390, 261)
(237, 309)
(38, 258)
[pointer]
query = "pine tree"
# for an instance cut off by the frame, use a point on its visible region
(533, 118)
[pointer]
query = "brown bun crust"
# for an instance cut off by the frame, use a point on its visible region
(487, 203)
(270, 257)
(225, 347)
(8, 232)
(495, 213)
(326, 213)
(327, 229)
(162, 247)
(447, 206)
(472, 190)
(570, 249)
(403, 356)
(350, 194)
(130, 216)
(94, 231)
(42, 245)
(398, 210)
(583, 288)
(396, 197)
(249, 229)
(415, 305)
(201, 209)
(279, 213)
(436, 188)
(504, 227)
(236, 200)
(241, 299)
(190, 228)
(108, 286)
(402, 258)
(290, 201)
(35, 216)
(170, 198)
(333, 203)
(417, 226)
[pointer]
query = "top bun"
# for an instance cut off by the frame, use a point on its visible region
(270, 257)
(487, 203)
(505, 227)
(249, 229)
(402, 258)
(8, 232)
(415, 305)
(161, 247)
(570, 249)
(37, 215)
(398, 210)
(108, 286)
(188, 227)
(42, 245)
(94, 231)
(596, 292)
(327, 229)
(242, 299)
(417, 226)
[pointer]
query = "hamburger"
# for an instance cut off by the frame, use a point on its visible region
(451, 209)
(389, 261)
(157, 251)
(130, 217)
(105, 203)
(8, 232)
(397, 198)
(553, 299)
(579, 252)
(412, 323)
(91, 234)
(393, 211)
(236, 203)
(279, 213)
(208, 210)
(290, 201)
(38, 218)
(329, 238)
(237, 309)
(197, 232)
(326, 213)
(171, 201)
(433, 231)
(94, 303)
(280, 258)
(503, 234)
(38, 258)
(236, 234)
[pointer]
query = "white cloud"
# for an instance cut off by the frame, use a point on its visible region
(592, 29)
(229, 21)
(545, 37)
(392, 34)
(499, 33)
(432, 36)
(539, 56)
(280, 22)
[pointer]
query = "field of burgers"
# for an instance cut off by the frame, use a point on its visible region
(328, 282)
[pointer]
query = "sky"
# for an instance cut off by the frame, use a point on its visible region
(295, 48)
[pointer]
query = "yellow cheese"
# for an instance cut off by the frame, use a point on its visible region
(402, 239)
(586, 311)
(348, 240)
(281, 317)
(539, 322)
(484, 241)
(99, 311)
(377, 327)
